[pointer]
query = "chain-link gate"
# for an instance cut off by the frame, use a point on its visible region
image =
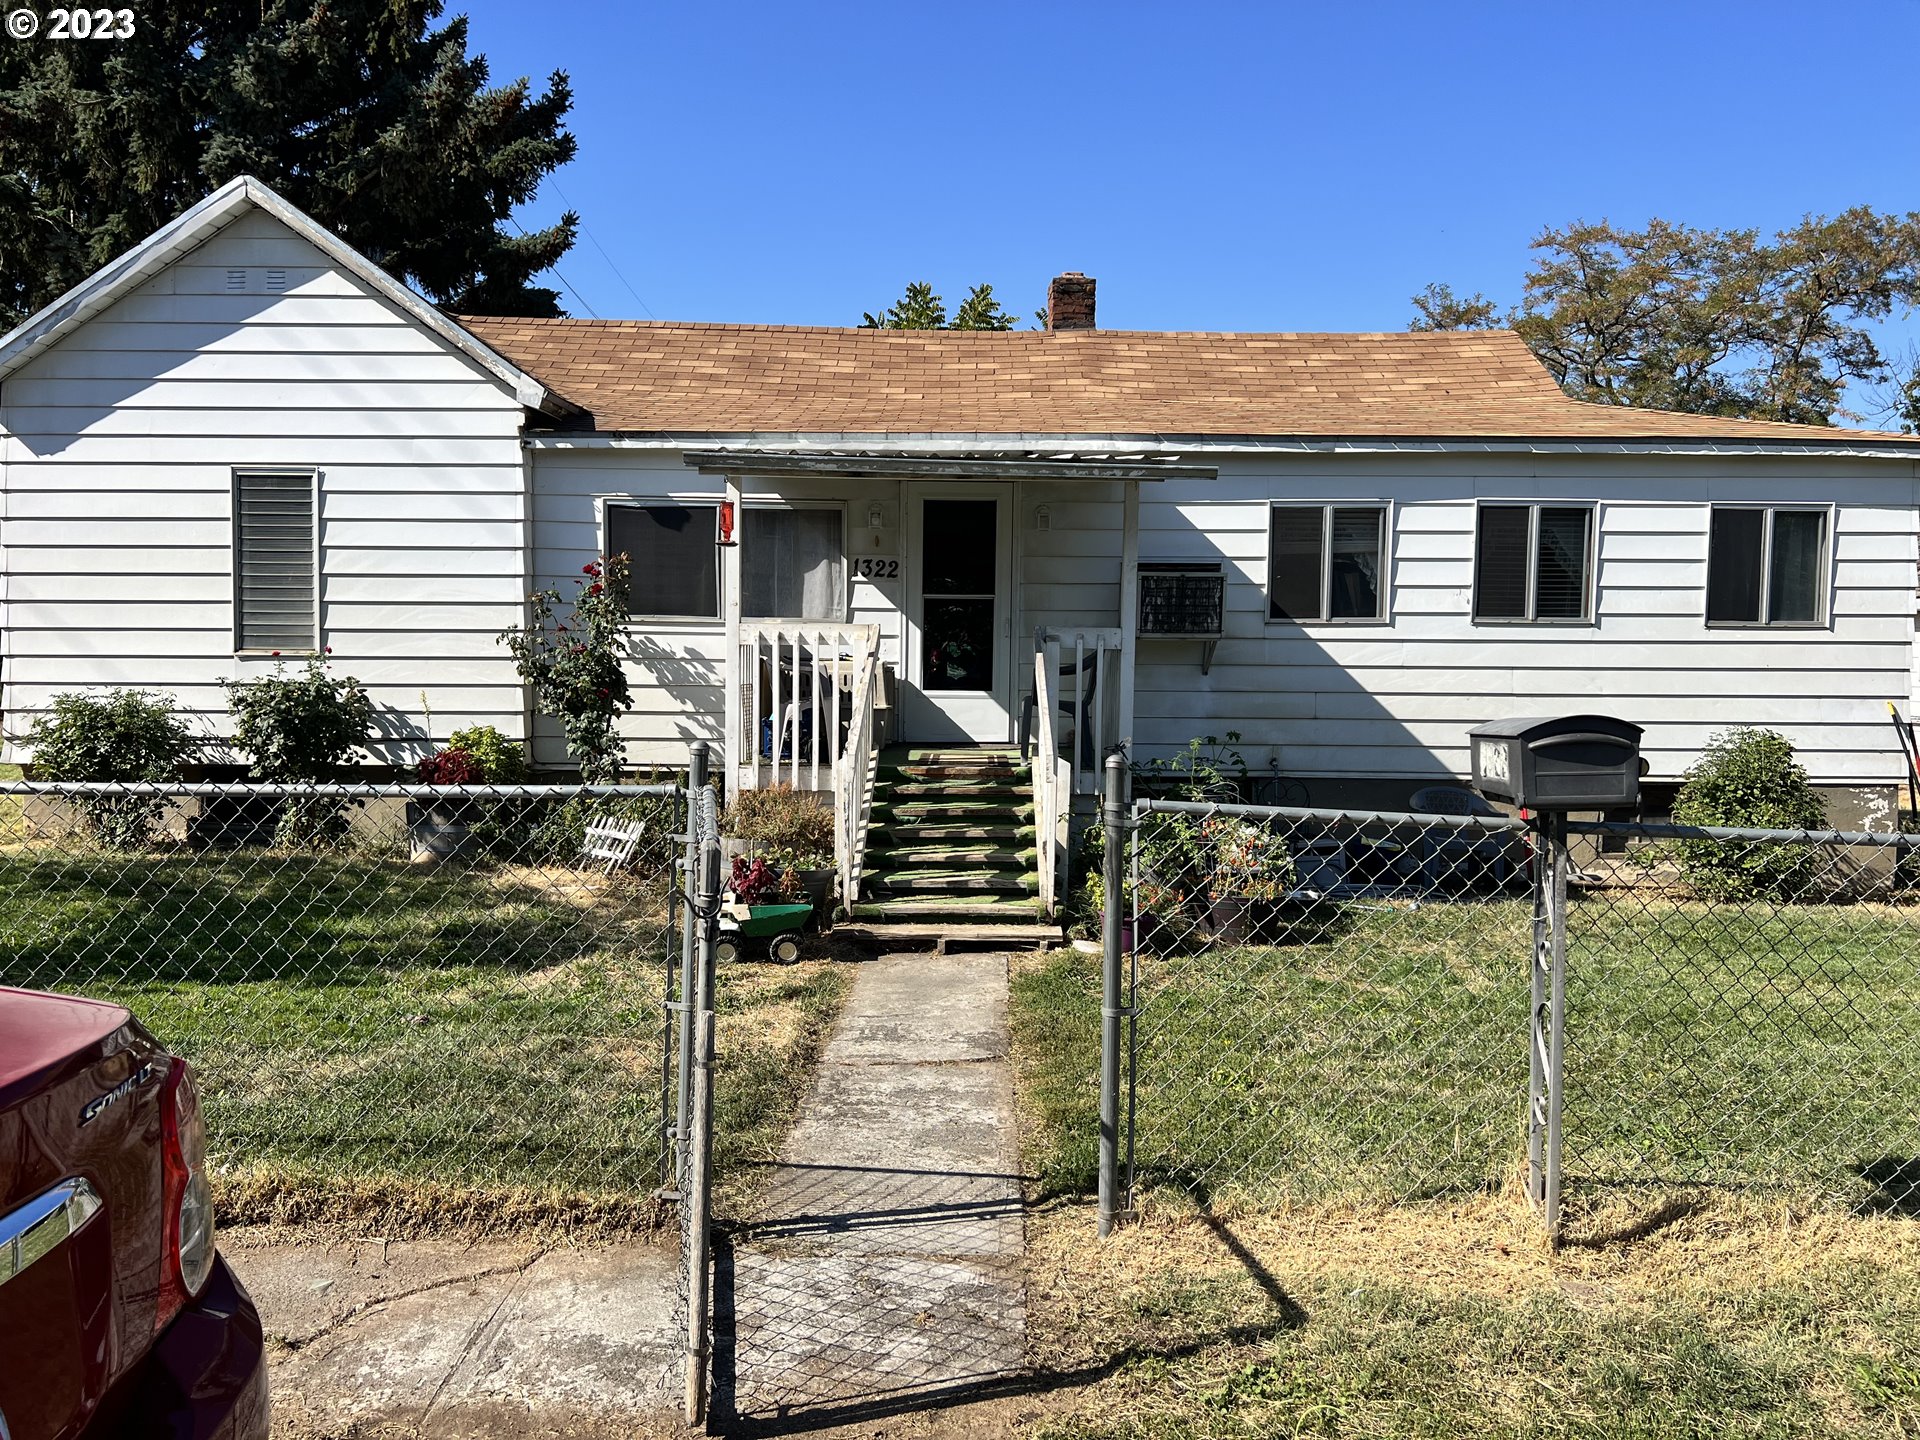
(1310, 1005)
(433, 1002)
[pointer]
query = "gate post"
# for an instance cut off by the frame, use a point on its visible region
(696, 1200)
(1547, 1024)
(1113, 868)
(689, 958)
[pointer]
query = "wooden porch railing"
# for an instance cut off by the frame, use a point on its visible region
(1072, 699)
(853, 779)
(794, 678)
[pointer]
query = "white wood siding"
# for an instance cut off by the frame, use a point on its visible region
(1392, 700)
(1395, 700)
(678, 670)
(116, 465)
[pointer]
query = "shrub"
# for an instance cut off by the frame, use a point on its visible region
(125, 735)
(304, 726)
(790, 827)
(575, 670)
(1748, 778)
(498, 760)
(449, 767)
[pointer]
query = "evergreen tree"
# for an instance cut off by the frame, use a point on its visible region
(921, 309)
(378, 125)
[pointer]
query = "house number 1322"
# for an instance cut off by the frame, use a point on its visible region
(877, 569)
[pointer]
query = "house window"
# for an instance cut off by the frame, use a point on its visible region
(673, 563)
(793, 564)
(1533, 563)
(276, 602)
(1324, 562)
(1766, 566)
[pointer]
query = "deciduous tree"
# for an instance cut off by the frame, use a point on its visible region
(1717, 322)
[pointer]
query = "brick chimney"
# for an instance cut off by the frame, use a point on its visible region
(1070, 302)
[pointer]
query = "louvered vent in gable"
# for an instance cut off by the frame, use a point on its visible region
(236, 280)
(275, 601)
(276, 281)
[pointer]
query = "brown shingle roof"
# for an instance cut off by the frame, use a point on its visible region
(664, 376)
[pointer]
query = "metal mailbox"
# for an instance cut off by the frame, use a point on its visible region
(1574, 762)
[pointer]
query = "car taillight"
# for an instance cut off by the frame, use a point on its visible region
(186, 1196)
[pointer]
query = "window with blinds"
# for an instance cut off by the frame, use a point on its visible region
(1766, 566)
(276, 602)
(1324, 562)
(1533, 563)
(673, 563)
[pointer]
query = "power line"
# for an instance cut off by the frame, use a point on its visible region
(571, 287)
(603, 252)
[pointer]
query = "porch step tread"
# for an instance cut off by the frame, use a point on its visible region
(952, 809)
(949, 755)
(1008, 775)
(956, 790)
(1013, 882)
(985, 907)
(880, 836)
(899, 857)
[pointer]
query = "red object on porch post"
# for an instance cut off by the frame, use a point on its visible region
(726, 522)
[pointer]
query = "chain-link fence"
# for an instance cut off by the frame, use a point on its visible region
(1315, 1005)
(452, 994)
(1743, 1010)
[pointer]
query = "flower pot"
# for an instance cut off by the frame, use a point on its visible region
(1229, 918)
(441, 830)
(818, 885)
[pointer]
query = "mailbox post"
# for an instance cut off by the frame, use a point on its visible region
(1546, 767)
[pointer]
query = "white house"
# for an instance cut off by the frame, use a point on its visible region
(242, 437)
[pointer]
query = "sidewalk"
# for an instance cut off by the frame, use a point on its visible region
(885, 1272)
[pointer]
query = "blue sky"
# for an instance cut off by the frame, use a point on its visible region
(1255, 167)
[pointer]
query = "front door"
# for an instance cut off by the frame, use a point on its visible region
(959, 653)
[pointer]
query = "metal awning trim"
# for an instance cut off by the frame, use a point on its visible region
(839, 466)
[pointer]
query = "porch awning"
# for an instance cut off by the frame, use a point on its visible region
(842, 464)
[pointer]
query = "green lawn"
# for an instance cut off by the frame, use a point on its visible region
(1384, 1057)
(1328, 1242)
(469, 1038)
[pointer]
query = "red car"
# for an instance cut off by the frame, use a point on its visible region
(116, 1315)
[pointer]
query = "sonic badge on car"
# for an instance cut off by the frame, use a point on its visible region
(91, 1110)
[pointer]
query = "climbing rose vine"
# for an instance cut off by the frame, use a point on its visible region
(575, 667)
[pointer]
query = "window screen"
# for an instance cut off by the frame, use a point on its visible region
(1293, 580)
(276, 606)
(1500, 563)
(673, 565)
(1531, 562)
(792, 566)
(1735, 543)
(1765, 567)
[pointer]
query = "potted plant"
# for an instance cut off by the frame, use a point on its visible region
(791, 831)
(458, 827)
(1252, 878)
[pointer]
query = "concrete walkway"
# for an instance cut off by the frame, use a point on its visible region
(449, 1340)
(885, 1273)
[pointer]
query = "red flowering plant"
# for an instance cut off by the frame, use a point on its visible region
(755, 882)
(575, 668)
(450, 767)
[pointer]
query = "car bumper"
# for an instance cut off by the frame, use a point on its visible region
(206, 1378)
